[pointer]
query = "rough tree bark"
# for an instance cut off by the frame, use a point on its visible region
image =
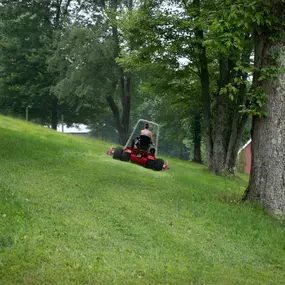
(267, 178)
(221, 119)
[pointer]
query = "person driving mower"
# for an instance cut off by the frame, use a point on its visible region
(147, 132)
(142, 149)
(144, 140)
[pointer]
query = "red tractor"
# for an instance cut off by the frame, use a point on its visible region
(140, 149)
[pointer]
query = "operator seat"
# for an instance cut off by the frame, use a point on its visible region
(144, 142)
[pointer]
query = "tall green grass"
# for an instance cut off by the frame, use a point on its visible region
(70, 214)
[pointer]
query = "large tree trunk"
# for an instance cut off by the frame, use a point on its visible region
(267, 178)
(221, 120)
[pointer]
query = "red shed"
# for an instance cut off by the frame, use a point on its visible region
(244, 158)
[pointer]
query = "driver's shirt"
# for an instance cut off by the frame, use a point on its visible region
(146, 132)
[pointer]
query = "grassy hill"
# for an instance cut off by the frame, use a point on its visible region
(70, 214)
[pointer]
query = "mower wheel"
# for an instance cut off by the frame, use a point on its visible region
(150, 164)
(118, 152)
(158, 164)
(125, 156)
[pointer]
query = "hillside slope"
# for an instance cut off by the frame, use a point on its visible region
(70, 214)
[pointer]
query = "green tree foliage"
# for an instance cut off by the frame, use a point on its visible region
(27, 31)
(217, 45)
(160, 56)
(86, 61)
(24, 78)
(174, 102)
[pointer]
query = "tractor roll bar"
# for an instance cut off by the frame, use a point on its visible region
(145, 121)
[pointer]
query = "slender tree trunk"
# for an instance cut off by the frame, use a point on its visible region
(229, 164)
(54, 113)
(238, 120)
(267, 178)
(127, 103)
(125, 96)
(238, 127)
(205, 85)
(116, 113)
(196, 133)
(125, 85)
(54, 99)
(122, 122)
(207, 118)
(219, 146)
(54, 119)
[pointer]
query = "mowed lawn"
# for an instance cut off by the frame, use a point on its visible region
(70, 214)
